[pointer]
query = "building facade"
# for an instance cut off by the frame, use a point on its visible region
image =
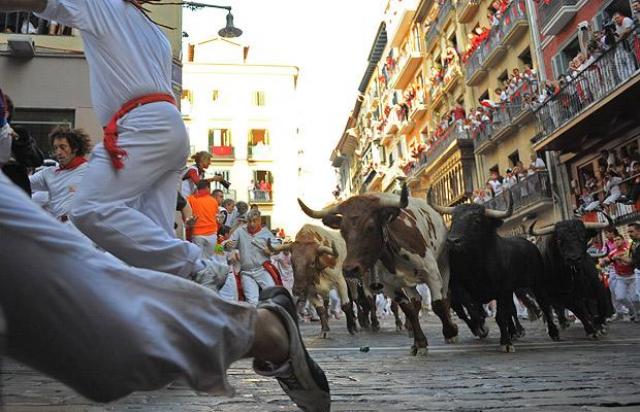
(459, 91)
(242, 114)
(44, 71)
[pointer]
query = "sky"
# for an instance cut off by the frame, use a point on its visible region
(329, 41)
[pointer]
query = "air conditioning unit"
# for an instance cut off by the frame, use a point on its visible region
(22, 46)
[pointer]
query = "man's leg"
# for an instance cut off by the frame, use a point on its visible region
(206, 244)
(128, 329)
(129, 212)
(250, 289)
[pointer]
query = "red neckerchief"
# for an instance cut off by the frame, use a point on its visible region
(77, 161)
(253, 232)
(202, 192)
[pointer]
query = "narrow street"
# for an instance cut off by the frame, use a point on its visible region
(575, 374)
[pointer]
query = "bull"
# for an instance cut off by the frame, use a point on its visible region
(316, 256)
(486, 266)
(571, 279)
(395, 242)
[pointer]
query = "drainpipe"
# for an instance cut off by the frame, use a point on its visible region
(532, 16)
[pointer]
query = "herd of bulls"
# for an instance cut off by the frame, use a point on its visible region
(389, 243)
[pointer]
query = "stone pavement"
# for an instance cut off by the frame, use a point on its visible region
(573, 375)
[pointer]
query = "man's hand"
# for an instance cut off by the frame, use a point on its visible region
(23, 5)
(230, 244)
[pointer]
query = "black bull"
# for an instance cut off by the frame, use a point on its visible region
(570, 279)
(485, 266)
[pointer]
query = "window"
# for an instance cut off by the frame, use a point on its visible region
(216, 185)
(215, 95)
(40, 122)
(220, 137)
(503, 76)
(187, 96)
(561, 60)
(525, 58)
(259, 98)
(259, 136)
(514, 158)
(485, 95)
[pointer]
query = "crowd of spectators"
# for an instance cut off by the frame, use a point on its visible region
(617, 182)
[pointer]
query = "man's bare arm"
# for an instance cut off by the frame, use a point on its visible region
(23, 5)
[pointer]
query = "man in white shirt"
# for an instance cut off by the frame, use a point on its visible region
(61, 183)
(623, 57)
(537, 164)
(126, 204)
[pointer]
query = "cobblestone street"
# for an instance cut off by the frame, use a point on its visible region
(573, 375)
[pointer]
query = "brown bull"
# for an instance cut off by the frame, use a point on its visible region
(396, 242)
(316, 256)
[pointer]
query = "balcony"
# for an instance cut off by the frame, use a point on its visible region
(437, 95)
(513, 24)
(260, 152)
(417, 112)
(600, 87)
(29, 23)
(467, 9)
(451, 77)
(432, 34)
(408, 64)
(528, 195)
(555, 15)
(222, 153)
(260, 197)
(438, 22)
(454, 134)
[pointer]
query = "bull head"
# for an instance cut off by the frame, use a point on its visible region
(498, 214)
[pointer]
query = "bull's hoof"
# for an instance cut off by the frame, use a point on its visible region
(398, 328)
(508, 348)
(422, 352)
(324, 334)
(410, 333)
(483, 332)
(592, 336)
(413, 351)
(451, 340)
(555, 337)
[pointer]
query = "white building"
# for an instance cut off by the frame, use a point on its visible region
(244, 114)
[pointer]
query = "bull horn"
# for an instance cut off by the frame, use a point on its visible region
(278, 248)
(501, 214)
(542, 232)
(402, 203)
(443, 210)
(316, 214)
(333, 250)
(596, 225)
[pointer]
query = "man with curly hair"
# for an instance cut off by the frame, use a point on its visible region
(70, 147)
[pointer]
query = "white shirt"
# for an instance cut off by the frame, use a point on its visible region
(612, 186)
(536, 166)
(496, 186)
(627, 24)
(60, 184)
(5, 143)
(128, 55)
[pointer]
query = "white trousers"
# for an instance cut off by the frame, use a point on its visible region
(615, 301)
(130, 212)
(102, 327)
(253, 281)
(334, 301)
(229, 291)
(626, 294)
(207, 244)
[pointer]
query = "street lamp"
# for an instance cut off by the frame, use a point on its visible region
(229, 31)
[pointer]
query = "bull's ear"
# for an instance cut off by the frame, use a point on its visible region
(389, 214)
(332, 220)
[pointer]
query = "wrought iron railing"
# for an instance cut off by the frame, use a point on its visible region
(533, 188)
(260, 152)
(445, 8)
(260, 196)
(590, 86)
(548, 9)
(29, 23)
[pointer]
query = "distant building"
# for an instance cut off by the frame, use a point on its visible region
(244, 115)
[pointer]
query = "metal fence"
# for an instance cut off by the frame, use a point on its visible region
(595, 82)
(547, 10)
(260, 196)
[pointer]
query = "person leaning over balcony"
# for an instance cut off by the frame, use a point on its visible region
(536, 165)
(623, 55)
(612, 189)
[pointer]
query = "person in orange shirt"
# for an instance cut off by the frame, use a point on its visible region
(204, 232)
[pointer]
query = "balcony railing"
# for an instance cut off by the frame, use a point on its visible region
(260, 196)
(532, 189)
(559, 10)
(495, 45)
(222, 152)
(431, 155)
(260, 152)
(29, 23)
(466, 10)
(586, 89)
(444, 11)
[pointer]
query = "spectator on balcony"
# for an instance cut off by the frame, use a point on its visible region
(623, 56)
(612, 189)
(587, 203)
(510, 179)
(520, 171)
(496, 182)
(634, 185)
(536, 165)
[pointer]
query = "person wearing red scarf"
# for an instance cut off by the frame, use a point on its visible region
(256, 270)
(60, 183)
